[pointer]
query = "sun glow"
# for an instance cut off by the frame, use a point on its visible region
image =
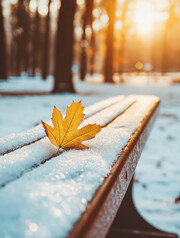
(144, 17)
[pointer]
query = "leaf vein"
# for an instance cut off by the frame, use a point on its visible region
(69, 125)
(78, 136)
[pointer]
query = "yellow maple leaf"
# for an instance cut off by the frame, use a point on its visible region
(65, 134)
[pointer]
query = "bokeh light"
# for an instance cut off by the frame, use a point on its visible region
(139, 65)
(118, 25)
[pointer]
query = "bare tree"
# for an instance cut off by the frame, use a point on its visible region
(27, 36)
(171, 20)
(12, 59)
(123, 33)
(108, 67)
(19, 37)
(45, 53)
(3, 72)
(64, 47)
(93, 48)
(87, 19)
(36, 35)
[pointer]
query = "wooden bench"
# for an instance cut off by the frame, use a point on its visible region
(78, 193)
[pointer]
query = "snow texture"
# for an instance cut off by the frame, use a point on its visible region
(48, 200)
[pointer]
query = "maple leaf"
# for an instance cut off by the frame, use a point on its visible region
(65, 134)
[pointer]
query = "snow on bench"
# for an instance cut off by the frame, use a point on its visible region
(15, 163)
(16, 140)
(44, 195)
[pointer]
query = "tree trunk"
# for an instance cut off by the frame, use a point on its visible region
(19, 39)
(108, 67)
(45, 59)
(35, 43)
(164, 52)
(83, 63)
(122, 52)
(87, 19)
(169, 24)
(18, 54)
(27, 38)
(92, 58)
(64, 48)
(123, 35)
(3, 72)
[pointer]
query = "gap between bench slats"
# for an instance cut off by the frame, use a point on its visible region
(54, 195)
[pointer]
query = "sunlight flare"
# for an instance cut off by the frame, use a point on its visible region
(144, 17)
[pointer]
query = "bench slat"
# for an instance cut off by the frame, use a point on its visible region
(14, 141)
(48, 200)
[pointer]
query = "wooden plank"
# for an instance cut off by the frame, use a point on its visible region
(101, 211)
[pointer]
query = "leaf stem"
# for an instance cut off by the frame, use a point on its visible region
(58, 150)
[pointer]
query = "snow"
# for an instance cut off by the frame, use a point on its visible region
(160, 185)
(77, 174)
(34, 84)
(157, 174)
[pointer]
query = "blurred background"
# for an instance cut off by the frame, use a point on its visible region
(111, 38)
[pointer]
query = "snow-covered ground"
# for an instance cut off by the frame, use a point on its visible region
(158, 172)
